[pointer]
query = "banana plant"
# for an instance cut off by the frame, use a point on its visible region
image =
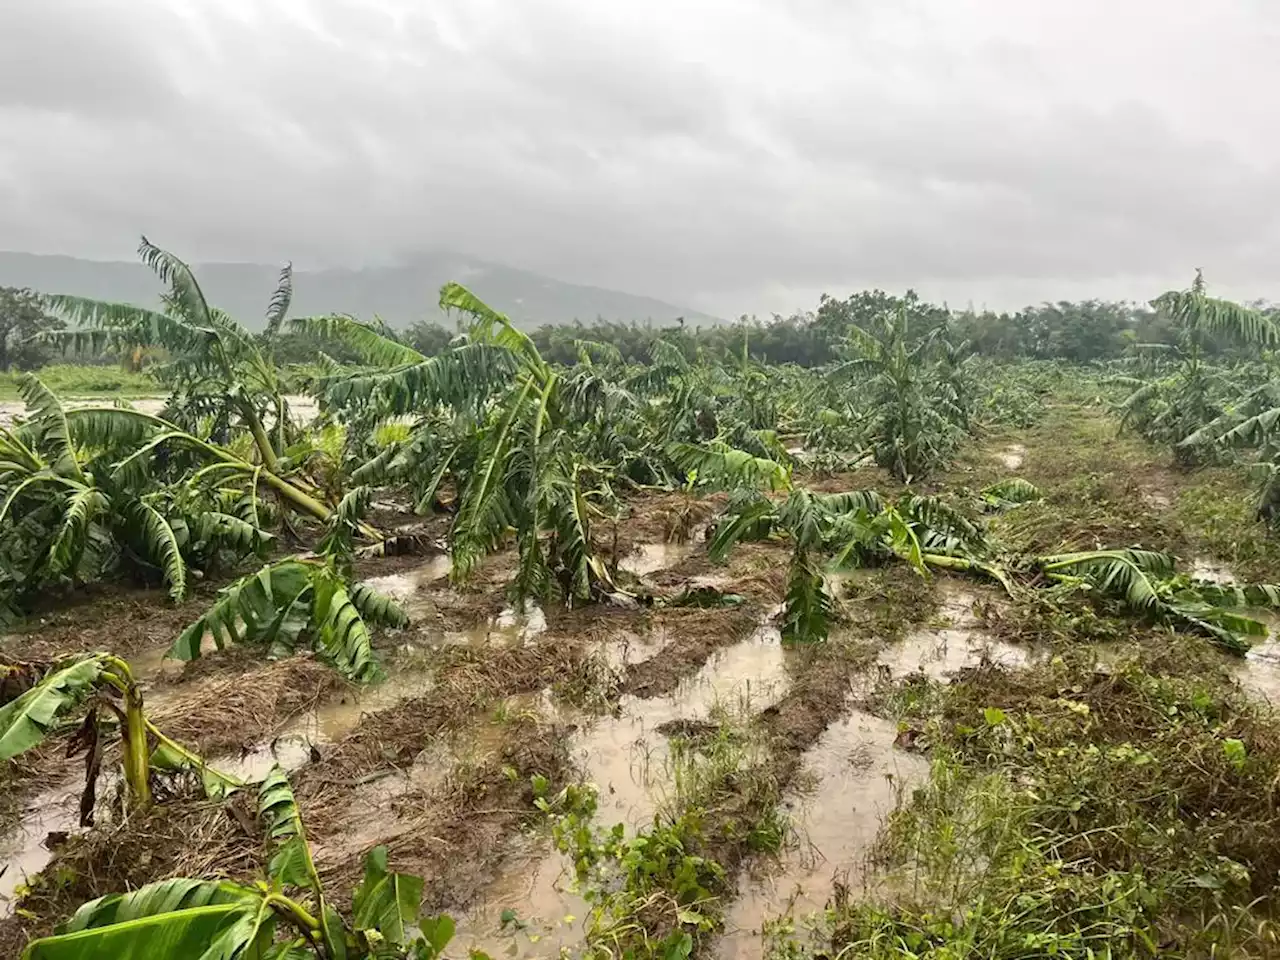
(917, 405)
(513, 457)
(100, 685)
(1184, 393)
(285, 916)
(828, 532)
(1147, 583)
(70, 509)
(303, 597)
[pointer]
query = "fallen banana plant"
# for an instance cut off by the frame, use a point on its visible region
(103, 687)
(286, 916)
(292, 602)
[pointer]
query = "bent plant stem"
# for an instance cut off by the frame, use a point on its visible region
(194, 760)
(137, 766)
(296, 914)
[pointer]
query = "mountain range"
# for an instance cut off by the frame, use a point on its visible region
(400, 295)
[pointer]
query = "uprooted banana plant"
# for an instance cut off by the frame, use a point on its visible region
(103, 688)
(1147, 583)
(301, 598)
(834, 532)
(286, 916)
(829, 532)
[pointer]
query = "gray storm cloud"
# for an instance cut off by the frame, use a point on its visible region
(735, 156)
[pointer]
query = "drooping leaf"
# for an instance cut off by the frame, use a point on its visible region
(384, 901)
(160, 545)
(28, 719)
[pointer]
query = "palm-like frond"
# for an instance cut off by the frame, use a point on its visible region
(1201, 313)
(724, 465)
(808, 605)
(278, 308)
(371, 344)
(185, 294)
(26, 720)
(489, 324)
(1011, 492)
(49, 418)
(341, 635)
(82, 508)
(157, 538)
(1123, 573)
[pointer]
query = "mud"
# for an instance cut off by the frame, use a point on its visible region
(1203, 568)
(647, 558)
(848, 782)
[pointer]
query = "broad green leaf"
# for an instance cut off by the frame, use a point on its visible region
(384, 901)
(171, 920)
(28, 719)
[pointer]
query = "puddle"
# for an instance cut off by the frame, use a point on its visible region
(327, 723)
(629, 761)
(627, 758)
(939, 652)
(1204, 569)
(858, 776)
(1013, 455)
(23, 852)
(651, 557)
(538, 888)
(1154, 498)
(406, 587)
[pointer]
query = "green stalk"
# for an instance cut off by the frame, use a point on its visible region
(260, 437)
(194, 760)
(137, 765)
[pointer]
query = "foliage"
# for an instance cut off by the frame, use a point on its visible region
(103, 686)
(22, 320)
(917, 397)
(287, 915)
(300, 597)
(1066, 815)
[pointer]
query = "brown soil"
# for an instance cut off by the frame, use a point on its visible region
(185, 835)
(216, 710)
(697, 634)
(102, 617)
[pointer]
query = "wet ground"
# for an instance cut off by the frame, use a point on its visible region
(436, 761)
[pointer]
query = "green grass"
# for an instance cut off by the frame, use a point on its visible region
(72, 380)
(1077, 813)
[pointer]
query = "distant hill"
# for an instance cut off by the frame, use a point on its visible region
(400, 295)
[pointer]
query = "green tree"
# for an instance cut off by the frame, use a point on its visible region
(22, 317)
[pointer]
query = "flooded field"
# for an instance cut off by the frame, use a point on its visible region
(670, 699)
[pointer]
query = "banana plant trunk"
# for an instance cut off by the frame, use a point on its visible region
(137, 757)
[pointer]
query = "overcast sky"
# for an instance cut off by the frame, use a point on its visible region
(737, 156)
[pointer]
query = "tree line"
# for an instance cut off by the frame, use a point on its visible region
(1078, 331)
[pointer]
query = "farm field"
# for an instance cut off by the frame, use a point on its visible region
(913, 654)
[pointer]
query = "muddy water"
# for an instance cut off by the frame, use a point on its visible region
(407, 588)
(940, 651)
(57, 810)
(629, 760)
(857, 777)
(651, 557)
(23, 851)
(302, 409)
(1204, 569)
(1012, 456)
